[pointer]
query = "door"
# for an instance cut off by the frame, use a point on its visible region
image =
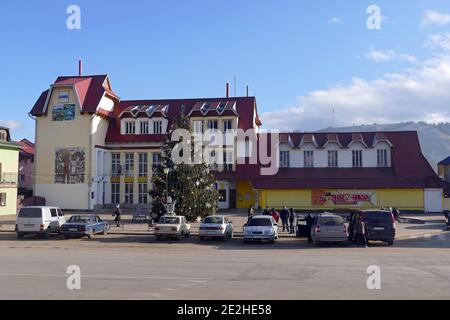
(433, 200)
(233, 199)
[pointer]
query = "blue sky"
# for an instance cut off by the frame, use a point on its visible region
(300, 58)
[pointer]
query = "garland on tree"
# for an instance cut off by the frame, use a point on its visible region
(191, 186)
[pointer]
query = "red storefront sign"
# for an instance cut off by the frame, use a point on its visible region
(320, 197)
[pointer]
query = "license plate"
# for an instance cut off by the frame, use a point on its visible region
(29, 225)
(378, 228)
(73, 229)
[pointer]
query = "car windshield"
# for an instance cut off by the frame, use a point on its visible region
(377, 216)
(260, 223)
(79, 219)
(214, 220)
(169, 220)
(331, 221)
(30, 213)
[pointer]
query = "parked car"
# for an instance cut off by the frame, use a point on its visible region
(328, 227)
(39, 220)
(380, 225)
(216, 227)
(172, 227)
(84, 225)
(261, 228)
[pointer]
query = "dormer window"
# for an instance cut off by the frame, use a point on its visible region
(205, 108)
(382, 158)
(157, 127)
(221, 107)
(130, 127)
(357, 158)
(135, 111)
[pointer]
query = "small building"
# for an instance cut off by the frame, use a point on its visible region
(26, 168)
(9, 162)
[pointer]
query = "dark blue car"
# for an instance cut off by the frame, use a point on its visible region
(84, 225)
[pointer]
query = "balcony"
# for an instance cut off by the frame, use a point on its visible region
(9, 179)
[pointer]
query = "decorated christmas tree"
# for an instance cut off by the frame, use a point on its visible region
(189, 185)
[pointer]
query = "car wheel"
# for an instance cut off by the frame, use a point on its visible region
(390, 243)
(158, 238)
(202, 238)
(47, 233)
(20, 236)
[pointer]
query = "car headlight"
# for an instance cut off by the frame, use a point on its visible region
(269, 232)
(246, 231)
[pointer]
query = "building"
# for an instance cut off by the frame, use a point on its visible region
(444, 173)
(9, 162)
(94, 150)
(26, 168)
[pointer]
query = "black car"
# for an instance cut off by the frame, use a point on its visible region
(379, 225)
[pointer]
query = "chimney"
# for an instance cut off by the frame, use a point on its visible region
(247, 91)
(228, 90)
(80, 68)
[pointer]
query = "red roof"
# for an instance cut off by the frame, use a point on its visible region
(26, 146)
(90, 90)
(245, 108)
(410, 169)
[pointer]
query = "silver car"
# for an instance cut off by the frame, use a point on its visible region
(328, 227)
(216, 227)
(261, 228)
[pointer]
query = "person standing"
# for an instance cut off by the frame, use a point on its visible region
(118, 215)
(266, 211)
(250, 213)
(275, 215)
(360, 232)
(284, 215)
(292, 220)
(309, 222)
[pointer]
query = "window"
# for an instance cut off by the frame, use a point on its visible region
(130, 127)
(198, 126)
(227, 125)
(308, 156)
(213, 125)
(54, 213)
(3, 135)
(115, 164)
(332, 158)
(213, 161)
(129, 193)
(357, 158)
(382, 158)
(2, 199)
(144, 127)
(143, 161)
(129, 164)
(143, 191)
(63, 97)
(115, 193)
(156, 161)
(157, 127)
(284, 159)
(228, 161)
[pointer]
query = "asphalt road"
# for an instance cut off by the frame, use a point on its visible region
(139, 267)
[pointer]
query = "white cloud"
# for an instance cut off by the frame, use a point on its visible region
(378, 55)
(435, 18)
(11, 124)
(439, 41)
(420, 93)
(335, 20)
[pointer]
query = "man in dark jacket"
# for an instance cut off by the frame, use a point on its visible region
(292, 220)
(118, 215)
(309, 222)
(266, 211)
(284, 215)
(360, 232)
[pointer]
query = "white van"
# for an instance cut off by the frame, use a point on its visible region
(39, 220)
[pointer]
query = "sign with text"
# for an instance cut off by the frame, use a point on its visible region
(343, 197)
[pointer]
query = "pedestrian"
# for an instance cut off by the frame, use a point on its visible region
(292, 220)
(309, 222)
(284, 215)
(266, 211)
(118, 215)
(360, 232)
(275, 215)
(250, 213)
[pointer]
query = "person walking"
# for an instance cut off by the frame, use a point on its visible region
(118, 215)
(284, 215)
(250, 213)
(309, 222)
(292, 220)
(360, 232)
(266, 211)
(275, 215)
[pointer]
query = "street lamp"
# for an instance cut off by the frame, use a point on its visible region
(166, 172)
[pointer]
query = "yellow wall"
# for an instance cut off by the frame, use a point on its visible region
(9, 158)
(245, 194)
(406, 199)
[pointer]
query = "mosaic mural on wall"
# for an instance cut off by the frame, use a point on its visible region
(63, 112)
(70, 165)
